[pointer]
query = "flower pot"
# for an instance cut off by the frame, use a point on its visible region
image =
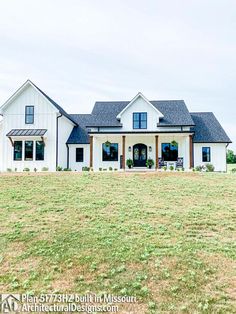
(149, 167)
(129, 166)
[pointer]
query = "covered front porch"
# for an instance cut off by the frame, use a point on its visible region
(138, 151)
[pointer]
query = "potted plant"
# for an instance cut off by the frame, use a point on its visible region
(174, 143)
(107, 144)
(150, 163)
(129, 163)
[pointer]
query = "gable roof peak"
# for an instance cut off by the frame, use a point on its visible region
(50, 100)
(133, 100)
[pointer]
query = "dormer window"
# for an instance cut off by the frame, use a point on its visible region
(139, 120)
(29, 114)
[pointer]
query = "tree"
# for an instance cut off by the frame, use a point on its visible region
(231, 157)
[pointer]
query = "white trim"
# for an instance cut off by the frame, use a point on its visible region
(133, 100)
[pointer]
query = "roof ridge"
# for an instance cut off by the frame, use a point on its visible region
(111, 101)
(120, 101)
(168, 100)
(196, 112)
(88, 114)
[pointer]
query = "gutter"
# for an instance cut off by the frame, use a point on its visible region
(141, 132)
(68, 156)
(57, 139)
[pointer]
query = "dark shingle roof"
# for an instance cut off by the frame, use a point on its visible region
(60, 109)
(208, 129)
(79, 133)
(175, 112)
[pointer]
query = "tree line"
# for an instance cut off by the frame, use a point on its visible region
(231, 157)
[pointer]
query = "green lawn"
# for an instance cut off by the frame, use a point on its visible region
(230, 167)
(167, 238)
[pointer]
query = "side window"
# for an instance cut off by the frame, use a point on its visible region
(79, 154)
(206, 154)
(29, 114)
(29, 149)
(39, 150)
(17, 150)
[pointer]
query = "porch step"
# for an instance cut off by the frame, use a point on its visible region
(140, 169)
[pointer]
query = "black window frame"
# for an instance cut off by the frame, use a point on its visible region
(14, 151)
(170, 154)
(139, 120)
(29, 115)
(29, 159)
(38, 153)
(77, 155)
(208, 154)
(105, 157)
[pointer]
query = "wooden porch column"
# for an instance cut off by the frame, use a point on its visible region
(91, 151)
(123, 152)
(190, 151)
(156, 140)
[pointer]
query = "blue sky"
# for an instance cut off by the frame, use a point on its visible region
(82, 51)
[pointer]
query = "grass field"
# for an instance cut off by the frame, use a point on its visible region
(230, 167)
(167, 238)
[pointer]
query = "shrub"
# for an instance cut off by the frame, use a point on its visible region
(59, 168)
(199, 168)
(178, 169)
(129, 163)
(110, 168)
(91, 169)
(105, 169)
(233, 170)
(9, 170)
(26, 169)
(67, 169)
(172, 168)
(210, 168)
(35, 169)
(150, 163)
(164, 168)
(45, 169)
(100, 169)
(85, 168)
(15, 169)
(115, 169)
(182, 169)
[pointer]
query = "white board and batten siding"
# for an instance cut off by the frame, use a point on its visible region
(77, 166)
(45, 117)
(218, 155)
(139, 105)
(65, 128)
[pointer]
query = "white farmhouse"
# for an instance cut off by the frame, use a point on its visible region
(35, 132)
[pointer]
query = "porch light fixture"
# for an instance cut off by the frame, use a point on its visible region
(129, 148)
(150, 148)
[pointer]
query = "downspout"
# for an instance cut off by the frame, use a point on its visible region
(57, 139)
(68, 156)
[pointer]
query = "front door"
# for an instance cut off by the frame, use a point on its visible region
(140, 155)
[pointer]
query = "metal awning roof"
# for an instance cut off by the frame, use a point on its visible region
(27, 132)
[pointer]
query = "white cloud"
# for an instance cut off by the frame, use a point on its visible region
(81, 51)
